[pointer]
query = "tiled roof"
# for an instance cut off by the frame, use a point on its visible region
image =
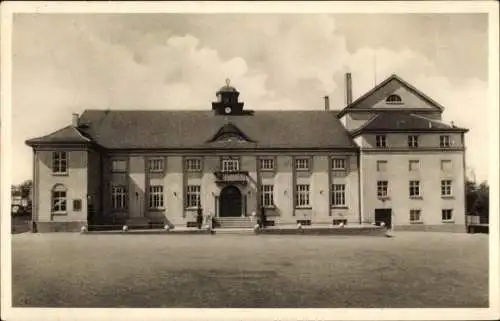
(156, 129)
(400, 121)
(68, 134)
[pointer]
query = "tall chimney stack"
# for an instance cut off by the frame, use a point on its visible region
(348, 88)
(75, 120)
(327, 103)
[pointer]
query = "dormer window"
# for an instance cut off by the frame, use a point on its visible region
(394, 100)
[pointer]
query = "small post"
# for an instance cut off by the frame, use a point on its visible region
(199, 216)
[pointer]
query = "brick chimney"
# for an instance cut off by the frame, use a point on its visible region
(75, 120)
(348, 88)
(327, 103)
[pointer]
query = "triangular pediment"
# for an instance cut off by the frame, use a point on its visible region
(228, 133)
(394, 94)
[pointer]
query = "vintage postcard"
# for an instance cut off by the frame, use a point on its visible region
(260, 161)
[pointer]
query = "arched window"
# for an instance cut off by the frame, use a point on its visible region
(59, 203)
(394, 99)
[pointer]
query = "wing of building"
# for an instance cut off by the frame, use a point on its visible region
(386, 157)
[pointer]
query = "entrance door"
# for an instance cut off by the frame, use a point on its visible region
(230, 201)
(383, 215)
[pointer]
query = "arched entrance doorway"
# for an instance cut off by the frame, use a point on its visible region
(230, 201)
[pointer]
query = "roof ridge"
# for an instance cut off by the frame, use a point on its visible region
(368, 122)
(430, 119)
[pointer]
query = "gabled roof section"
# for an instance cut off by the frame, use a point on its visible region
(68, 134)
(230, 132)
(405, 122)
(383, 90)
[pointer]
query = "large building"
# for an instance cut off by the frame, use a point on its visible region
(386, 157)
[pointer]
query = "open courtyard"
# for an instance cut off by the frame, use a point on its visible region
(409, 270)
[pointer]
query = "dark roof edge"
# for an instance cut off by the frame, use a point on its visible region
(225, 150)
(356, 133)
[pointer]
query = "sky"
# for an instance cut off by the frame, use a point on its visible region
(67, 63)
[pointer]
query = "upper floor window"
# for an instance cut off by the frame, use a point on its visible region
(193, 164)
(381, 166)
(59, 162)
(230, 165)
(446, 187)
(444, 141)
(413, 141)
(338, 164)
(381, 140)
(156, 164)
(119, 165)
(266, 164)
(302, 164)
(394, 99)
(59, 202)
(414, 188)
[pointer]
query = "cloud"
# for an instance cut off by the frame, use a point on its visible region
(68, 64)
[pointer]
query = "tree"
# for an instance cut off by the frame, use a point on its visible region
(477, 198)
(26, 187)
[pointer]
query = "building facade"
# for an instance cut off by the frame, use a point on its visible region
(386, 157)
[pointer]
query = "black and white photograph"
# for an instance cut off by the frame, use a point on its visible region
(236, 160)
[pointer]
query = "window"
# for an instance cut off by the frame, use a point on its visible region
(59, 162)
(230, 165)
(413, 165)
(193, 196)
(156, 164)
(414, 188)
(338, 194)
(302, 164)
(119, 165)
(266, 164)
(413, 141)
(381, 141)
(415, 216)
(446, 165)
(444, 141)
(59, 199)
(446, 187)
(394, 99)
(155, 196)
(338, 164)
(382, 189)
(266, 195)
(302, 199)
(381, 166)
(77, 205)
(447, 215)
(193, 164)
(118, 197)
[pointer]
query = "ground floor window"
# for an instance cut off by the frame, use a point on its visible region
(302, 198)
(59, 199)
(447, 215)
(118, 197)
(156, 196)
(338, 194)
(266, 195)
(193, 196)
(415, 216)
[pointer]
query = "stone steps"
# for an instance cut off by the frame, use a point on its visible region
(235, 222)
